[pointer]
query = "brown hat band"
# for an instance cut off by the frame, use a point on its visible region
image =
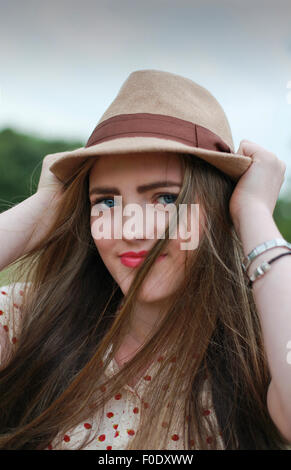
(157, 125)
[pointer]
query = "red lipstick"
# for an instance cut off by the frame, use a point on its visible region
(133, 259)
(135, 254)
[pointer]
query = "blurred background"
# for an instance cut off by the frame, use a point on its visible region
(63, 62)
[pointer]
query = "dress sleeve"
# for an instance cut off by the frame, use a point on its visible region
(10, 309)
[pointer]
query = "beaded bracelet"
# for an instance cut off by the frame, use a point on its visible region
(264, 267)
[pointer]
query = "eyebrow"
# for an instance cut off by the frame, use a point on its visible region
(140, 189)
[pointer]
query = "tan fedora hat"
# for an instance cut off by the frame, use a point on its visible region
(160, 111)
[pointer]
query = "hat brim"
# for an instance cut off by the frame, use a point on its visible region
(232, 164)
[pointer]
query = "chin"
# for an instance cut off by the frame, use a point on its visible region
(150, 292)
(146, 295)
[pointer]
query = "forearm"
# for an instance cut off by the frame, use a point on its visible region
(17, 225)
(272, 295)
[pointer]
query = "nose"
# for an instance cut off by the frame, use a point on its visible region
(145, 222)
(134, 222)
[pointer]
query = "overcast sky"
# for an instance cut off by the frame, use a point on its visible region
(63, 62)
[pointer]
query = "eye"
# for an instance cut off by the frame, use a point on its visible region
(170, 196)
(99, 201)
(170, 199)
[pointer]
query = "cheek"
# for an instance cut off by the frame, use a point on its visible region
(176, 257)
(104, 247)
(106, 250)
(191, 230)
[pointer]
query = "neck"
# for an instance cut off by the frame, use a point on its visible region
(145, 318)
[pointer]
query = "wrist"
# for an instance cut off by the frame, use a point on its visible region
(250, 214)
(255, 227)
(47, 196)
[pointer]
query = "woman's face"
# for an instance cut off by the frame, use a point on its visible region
(126, 173)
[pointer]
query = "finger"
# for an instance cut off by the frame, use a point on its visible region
(246, 148)
(251, 149)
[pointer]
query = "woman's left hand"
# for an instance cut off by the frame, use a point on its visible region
(260, 185)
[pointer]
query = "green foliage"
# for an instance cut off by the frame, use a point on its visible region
(282, 215)
(4, 276)
(21, 158)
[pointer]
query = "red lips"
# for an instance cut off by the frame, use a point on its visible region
(132, 259)
(134, 254)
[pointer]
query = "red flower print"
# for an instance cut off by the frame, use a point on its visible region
(15, 305)
(87, 425)
(14, 340)
(175, 437)
(135, 410)
(118, 396)
(209, 440)
(130, 432)
(49, 447)
(115, 426)
(5, 327)
(192, 443)
(1, 312)
(66, 438)
(116, 434)
(206, 412)
(147, 377)
(101, 438)
(110, 414)
(3, 292)
(108, 447)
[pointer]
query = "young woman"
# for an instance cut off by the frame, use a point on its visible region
(172, 350)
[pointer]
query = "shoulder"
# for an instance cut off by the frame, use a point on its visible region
(11, 297)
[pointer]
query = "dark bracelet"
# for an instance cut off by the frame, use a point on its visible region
(264, 267)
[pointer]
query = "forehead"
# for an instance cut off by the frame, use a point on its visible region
(136, 167)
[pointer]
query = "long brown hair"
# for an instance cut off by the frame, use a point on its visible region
(73, 311)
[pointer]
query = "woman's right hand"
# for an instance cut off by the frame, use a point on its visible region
(27, 223)
(48, 182)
